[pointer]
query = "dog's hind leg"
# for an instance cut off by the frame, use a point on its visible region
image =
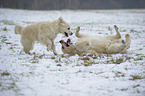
(118, 33)
(128, 41)
(27, 44)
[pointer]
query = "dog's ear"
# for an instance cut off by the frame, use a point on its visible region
(60, 20)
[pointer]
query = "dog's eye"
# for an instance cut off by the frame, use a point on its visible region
(68, 28)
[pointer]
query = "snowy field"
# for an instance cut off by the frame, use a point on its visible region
(44, 74)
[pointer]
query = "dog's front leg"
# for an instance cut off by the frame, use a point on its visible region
(53, 48)
(48, 43)
(118, 33)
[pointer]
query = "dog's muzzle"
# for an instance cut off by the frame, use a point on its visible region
(61, 41)
(66, 45)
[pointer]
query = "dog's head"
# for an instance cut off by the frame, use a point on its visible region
(63, 43)
(64, 27)
(68, 48)
(119, 41)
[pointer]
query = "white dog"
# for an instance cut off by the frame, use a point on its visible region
(101, 44)
(68, 48)
(45, 32)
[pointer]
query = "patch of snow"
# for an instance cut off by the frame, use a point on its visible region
(44, 74)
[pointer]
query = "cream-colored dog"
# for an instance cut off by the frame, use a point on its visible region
(45, 32)
(100, 44)
(68, 48)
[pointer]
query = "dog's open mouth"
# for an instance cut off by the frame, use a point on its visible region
(65, 34)
(69, 41)
(64, 43)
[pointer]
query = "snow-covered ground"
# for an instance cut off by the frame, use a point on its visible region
(44, 74)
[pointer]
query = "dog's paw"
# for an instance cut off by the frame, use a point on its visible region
(115, 27)
(127, 35)
(78, 28)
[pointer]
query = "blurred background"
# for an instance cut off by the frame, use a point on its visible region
(72, 4)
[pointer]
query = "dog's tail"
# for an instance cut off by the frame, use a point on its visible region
(18, 29)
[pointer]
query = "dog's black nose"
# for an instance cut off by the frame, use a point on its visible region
(65, 34)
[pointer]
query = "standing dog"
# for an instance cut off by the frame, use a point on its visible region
(44, 32)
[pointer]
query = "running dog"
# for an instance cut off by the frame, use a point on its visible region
(44, 32)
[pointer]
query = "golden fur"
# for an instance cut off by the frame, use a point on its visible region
(45, 32)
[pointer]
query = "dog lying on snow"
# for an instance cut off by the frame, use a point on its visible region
(44, 32)
(97, 45)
